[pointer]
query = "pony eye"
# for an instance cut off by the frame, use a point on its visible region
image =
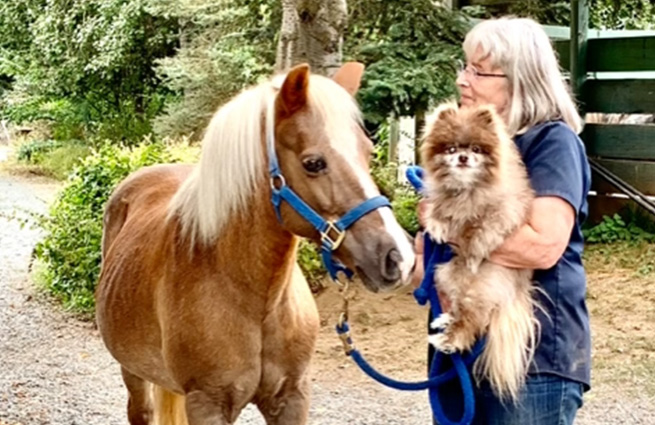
(314, 164)
(476, 149)
(451, 149)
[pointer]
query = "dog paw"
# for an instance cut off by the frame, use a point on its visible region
(437, 232)
(441, 343)
(442, 322)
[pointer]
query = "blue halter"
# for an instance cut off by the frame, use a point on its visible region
(332, 231)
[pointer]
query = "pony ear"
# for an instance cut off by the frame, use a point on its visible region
(349, 76)
(293, 94)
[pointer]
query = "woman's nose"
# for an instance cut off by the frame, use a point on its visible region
(461, 79)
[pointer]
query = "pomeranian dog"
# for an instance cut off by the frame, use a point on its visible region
(478, 193)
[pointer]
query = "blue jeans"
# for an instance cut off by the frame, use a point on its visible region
(544, 400)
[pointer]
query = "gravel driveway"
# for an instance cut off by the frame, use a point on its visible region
(55, 370)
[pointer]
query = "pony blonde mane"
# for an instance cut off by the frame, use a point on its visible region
(233, 155)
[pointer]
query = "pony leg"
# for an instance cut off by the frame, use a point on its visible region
(288, 408)
(138, 406)
(203, 409)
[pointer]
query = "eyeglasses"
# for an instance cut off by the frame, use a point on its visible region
(471, 71)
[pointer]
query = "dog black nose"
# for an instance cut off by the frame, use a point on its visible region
(463, 159)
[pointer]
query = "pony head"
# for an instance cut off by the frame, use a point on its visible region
(324, 155)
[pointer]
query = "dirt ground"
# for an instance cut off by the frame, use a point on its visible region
(389, 329)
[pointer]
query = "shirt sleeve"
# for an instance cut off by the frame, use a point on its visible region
(557, 166)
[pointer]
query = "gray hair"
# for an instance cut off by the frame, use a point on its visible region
(522, 49)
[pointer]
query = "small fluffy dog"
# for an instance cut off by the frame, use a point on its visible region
(478, 193)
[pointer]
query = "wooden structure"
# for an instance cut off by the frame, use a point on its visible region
(611, 72)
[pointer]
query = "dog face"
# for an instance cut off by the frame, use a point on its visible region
(465, 163)
(461, 147)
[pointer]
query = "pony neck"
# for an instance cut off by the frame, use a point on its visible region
(267, 252)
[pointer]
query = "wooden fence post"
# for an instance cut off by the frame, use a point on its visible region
(578, 45)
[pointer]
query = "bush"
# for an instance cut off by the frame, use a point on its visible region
(33, 151)
(615, 229)
(70, 250)
(52, 158)
(311, 264)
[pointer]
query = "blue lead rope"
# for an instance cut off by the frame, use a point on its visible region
(434, 254)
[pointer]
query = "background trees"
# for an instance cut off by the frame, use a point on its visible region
(116, 69)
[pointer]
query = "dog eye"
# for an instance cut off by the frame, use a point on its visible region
(476, 149)
(314, 164)
(451, 149)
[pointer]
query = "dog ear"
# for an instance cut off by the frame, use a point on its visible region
(445, 111)
(485, 116)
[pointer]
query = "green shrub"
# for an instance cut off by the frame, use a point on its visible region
(311, 264)
(615, 229)
(32, 152)
(70, 250)
(52, 158)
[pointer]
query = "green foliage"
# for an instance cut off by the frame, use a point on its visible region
(615, 229)
(70, 249)
(410, 49)
(226, 46)
(311, 264)
(52, 158)
(88, 62)
(62, 160)
(33, 151)
(622, 14)
(603, 14)
(404, 199)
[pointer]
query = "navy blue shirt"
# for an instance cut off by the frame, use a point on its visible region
(557, 165)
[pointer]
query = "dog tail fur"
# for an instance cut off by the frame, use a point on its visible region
(510, 345)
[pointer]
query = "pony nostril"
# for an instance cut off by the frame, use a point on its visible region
(463, 159)
(391, 265)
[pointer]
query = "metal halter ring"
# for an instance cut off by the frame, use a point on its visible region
(281, 180)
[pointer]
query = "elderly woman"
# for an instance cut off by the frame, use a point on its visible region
(511, 65)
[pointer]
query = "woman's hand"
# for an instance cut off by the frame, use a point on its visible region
(419, 272)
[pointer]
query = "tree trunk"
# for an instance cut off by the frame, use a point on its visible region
(312, 32)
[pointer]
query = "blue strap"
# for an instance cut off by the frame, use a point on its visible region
(433, 382)
(301, 207)
(361, 210)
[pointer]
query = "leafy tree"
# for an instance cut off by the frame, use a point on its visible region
(410, 49)
(95, 55)
(225, 46)
(603, 14)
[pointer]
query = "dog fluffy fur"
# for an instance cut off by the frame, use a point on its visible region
(478, 194)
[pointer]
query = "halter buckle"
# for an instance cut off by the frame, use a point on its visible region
(332, 243)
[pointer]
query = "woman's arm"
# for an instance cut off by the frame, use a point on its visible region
(540, 243)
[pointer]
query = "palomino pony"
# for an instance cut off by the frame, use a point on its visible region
(200, 299)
